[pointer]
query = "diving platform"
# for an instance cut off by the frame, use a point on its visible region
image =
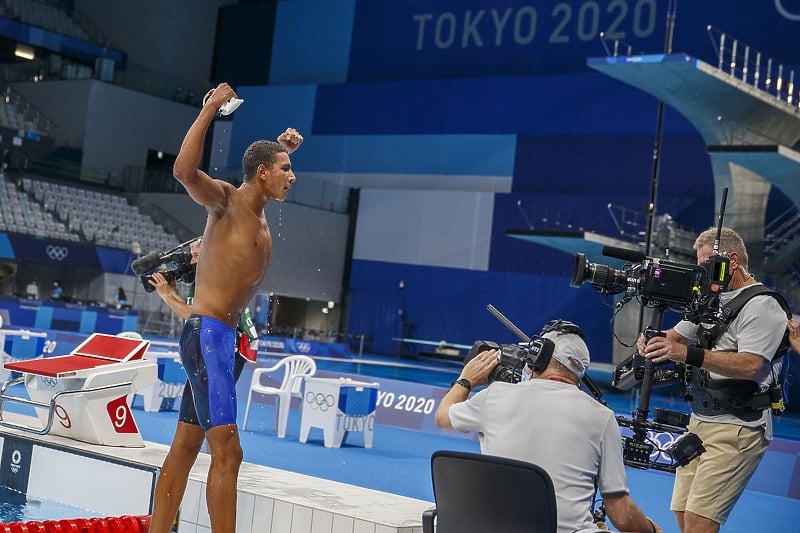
(747, 112)
(572, 242)
(725, 109)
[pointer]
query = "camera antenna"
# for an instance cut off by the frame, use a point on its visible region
(721, 217)
(507, 323)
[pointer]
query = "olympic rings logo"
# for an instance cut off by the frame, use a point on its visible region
(56, 253)
(304, 347)
(664, 440)
(48, 381)
(16, 461)
(320, 401)
(785, 13)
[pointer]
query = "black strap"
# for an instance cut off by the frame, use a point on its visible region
(717, 396)
(707, 337)
(732, 308)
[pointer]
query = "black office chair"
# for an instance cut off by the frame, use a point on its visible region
(481, 493)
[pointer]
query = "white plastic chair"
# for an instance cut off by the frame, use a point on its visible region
(296, 368)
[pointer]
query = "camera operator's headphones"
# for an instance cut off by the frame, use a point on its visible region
(542, 348)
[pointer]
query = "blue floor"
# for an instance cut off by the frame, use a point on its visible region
(399, 463)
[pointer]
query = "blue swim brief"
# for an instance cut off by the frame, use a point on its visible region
(207, 350)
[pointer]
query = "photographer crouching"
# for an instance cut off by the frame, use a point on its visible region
(548, 421)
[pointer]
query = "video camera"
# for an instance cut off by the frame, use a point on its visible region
(695, 289)
(661, 284)
(534, 352)
(176, 265)
(513, 358)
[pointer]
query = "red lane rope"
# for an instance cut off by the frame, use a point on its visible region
(114, 524)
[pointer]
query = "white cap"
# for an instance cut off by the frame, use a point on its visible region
(570, 351)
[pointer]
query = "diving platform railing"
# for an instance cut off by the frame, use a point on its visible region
(740, 61)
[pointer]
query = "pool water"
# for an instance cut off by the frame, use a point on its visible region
(17, 507)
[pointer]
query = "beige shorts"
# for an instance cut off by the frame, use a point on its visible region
(711, 484)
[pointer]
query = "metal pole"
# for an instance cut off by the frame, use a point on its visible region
(651, 207)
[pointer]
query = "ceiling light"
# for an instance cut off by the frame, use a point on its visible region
(25, 52)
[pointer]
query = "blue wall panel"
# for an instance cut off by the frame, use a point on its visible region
(6, 251)
(474, 155)
(320, 55)
(608, 168)
(266, 113)
(450, 304)
(572, 103)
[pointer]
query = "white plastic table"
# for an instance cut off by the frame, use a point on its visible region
(338, 406)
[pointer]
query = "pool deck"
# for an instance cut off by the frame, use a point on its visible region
(269, 500)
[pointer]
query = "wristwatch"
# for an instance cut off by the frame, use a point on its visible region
(463, 382)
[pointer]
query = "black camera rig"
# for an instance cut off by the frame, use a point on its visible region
(175, 265)
(514, 357)
(694, 291)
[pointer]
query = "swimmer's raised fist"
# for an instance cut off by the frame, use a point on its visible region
(290, 139)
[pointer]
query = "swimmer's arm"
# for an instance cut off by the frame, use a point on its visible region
(201, 187)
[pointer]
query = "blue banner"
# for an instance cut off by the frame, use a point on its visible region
(15, 468)
(413, 39)
(64, 253)
(424, 39)
(302, 347)
(46, 251)
(47, 314)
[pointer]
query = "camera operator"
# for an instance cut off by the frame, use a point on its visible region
(728, 383)
(550, 422)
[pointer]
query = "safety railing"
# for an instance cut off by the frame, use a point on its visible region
(781, 230)
(737, 59)
(748, 65)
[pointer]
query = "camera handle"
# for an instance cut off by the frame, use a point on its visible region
(643, 410)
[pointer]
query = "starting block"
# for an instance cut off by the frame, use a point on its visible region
(84, 395)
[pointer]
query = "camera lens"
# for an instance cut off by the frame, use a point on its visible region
(602, 277)
(579, 270)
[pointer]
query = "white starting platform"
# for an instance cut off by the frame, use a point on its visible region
(339, 406)
(84, 395)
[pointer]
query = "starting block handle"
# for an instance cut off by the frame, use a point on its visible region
(51, 406)
(7, 384)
